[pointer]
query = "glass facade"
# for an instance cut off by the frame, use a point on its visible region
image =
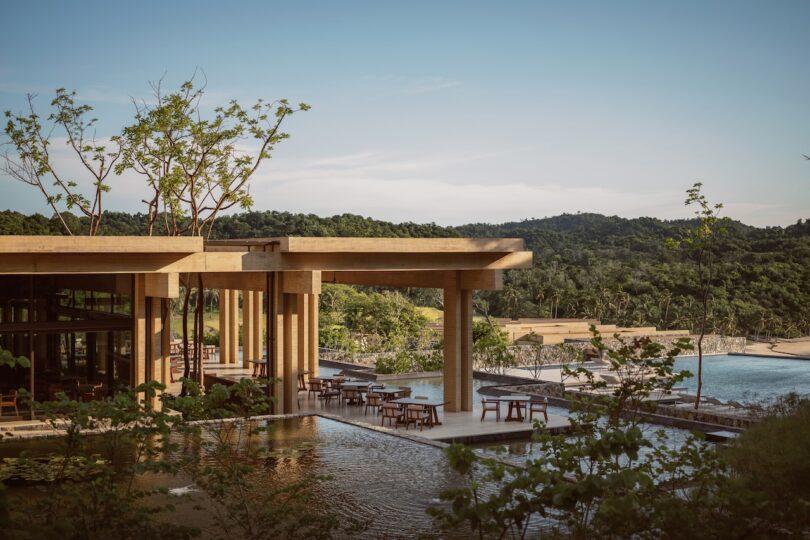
(77, 330)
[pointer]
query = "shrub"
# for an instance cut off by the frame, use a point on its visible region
(432, 361)
(211, 337)
(397, 363)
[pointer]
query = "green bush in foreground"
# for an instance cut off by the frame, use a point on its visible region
(106, 475)
(613, 480)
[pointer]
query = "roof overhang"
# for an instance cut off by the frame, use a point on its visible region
(126, 254)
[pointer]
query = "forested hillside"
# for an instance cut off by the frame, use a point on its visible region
(586, 265)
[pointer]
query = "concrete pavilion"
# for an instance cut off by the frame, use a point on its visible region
(96, 309)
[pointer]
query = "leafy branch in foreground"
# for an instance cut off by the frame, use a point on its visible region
(32, 162)
(611, 477)
(108, 472)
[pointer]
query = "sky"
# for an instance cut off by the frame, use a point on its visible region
(456, 111)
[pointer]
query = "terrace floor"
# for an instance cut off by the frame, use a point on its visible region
(464, 427)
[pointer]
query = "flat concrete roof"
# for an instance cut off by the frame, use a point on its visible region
(161, 254)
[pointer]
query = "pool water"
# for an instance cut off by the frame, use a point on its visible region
(746, 378)
(384, 482)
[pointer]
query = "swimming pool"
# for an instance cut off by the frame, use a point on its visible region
(747, 378)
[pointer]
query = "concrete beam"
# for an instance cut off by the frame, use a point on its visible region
(162, 285)
(302, 282)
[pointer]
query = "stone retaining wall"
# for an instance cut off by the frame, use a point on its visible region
(687, 418)
(571, 351)
(528, 355)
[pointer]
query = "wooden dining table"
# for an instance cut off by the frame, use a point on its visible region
(356, 384)
(388, 393)
(259, 367)
(431, 404)
(516, 404)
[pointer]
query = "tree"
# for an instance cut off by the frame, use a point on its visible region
(198, 167)
(699, 244)
(31, 161)
(594, 484)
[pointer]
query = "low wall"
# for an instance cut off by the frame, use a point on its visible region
(527, 355)
(667, 415)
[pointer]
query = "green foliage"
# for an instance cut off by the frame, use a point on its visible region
(89, 485)
(699, 245)
(92, 484)
(410, 362)
(32, 163)
(614, 480)
(373, 321)
(486, 335)
(622, 272)
(7, 359)
(194, 165)
(246, 398)
(491, 348)
(772, 460)
(212, 338)
(395, 363)
(586, 266)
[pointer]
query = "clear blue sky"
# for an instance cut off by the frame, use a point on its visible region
(457, 112)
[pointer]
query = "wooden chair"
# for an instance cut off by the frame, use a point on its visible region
(302, 383)
(374, 401)
(331, 392)
(392, 412)
(405, 391)
(9, 400)
(90, 392)
(351, 396)
(375, 387)
(416, 414)
(538, 406)
(491, 405)
(315, 387)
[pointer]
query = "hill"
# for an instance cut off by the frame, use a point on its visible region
(586, 265)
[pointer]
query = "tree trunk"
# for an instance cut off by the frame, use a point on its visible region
(186, 364)
(700, 348)
(199, 333)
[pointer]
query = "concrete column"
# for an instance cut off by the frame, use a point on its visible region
(466, 344)
(155, 371)
(165, 342)
(224, 325)
(303, 332)
(248, 329)
(233, 326)
(452, 344)
(290, 354)
(312, 330)
(275, 356)
(258, 326)
(139, 337)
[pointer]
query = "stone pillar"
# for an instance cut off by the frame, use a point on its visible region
(452, 344)
(302, 302)
(233, 326)
(155, 371)
(165, 342)
(224, 326)
(290, 355)
(139, 337)
(258, 326)
(466, 343)
(275, 355)
(248, 329)
(312, 330)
